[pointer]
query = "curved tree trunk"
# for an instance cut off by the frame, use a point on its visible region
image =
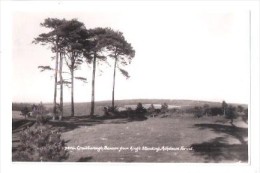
(55, 83)
(93, 87)
(114, 81)
(61, 87)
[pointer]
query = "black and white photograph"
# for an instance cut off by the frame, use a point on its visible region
(131, 82)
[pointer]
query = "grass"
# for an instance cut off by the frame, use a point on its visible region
(212, 139)
(223, 144)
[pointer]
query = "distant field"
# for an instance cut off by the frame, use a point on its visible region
(17, 115)
(84, 108)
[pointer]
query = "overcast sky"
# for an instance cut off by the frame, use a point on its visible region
(180, 54)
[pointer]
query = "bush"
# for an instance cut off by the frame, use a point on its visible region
(25, 111)
(206, 109)
(40, 112)
(164, 108)
(240, 108)
(139, 112)
(214, 111)
(41, 119)
(152, 111)
(245, 116)
(110, 111)
(231, 113)
(140, 109)
(40, 143)
(198, 111)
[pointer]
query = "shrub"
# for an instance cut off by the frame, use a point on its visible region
(151, 109)
(139, 111)
(216, 111)
(109, 111)
(206, 109)
(40, 112)
(245, 116)
(198, 111)
(113, 109)
(240, 108)
(41, 119)
(40, 143)
(25, 111)
(164, 108)
(231, 113)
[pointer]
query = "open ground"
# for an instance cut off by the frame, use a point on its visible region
(188, 139)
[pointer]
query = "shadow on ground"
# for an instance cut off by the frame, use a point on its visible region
(218, 149)
(85, 159)
(20, 124)
(71, 123)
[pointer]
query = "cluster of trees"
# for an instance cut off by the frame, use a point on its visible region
(227, 110)
(73, 45)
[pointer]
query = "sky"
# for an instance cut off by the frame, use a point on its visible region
(180, 54)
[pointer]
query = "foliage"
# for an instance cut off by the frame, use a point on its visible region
(75, 44)
(81, 79)
(43, 68)
(40, 143)
(231, 113)
(214, 111)
(25, 111)
(124, 73)
(108, 110)
(40, 112)
(41, 119)
(151, 109)
(164, 108)
(240, 108)
(140, 110)
(113, 109)
(245, 115)
(120, 50)
(206, 109)
(224, 107)
(198, 111)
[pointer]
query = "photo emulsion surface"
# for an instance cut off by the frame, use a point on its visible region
(131, 83)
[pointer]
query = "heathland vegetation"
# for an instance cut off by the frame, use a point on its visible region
(197, 124)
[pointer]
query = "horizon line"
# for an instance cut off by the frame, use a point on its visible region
(67, 102)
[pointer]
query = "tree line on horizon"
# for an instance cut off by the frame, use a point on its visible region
(73, 44)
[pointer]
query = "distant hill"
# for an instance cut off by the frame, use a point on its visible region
(119, 103)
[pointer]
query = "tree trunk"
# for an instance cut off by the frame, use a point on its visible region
(72, 92)
(55, 82)
(93, 87)
(114, 81)
(61, 87)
